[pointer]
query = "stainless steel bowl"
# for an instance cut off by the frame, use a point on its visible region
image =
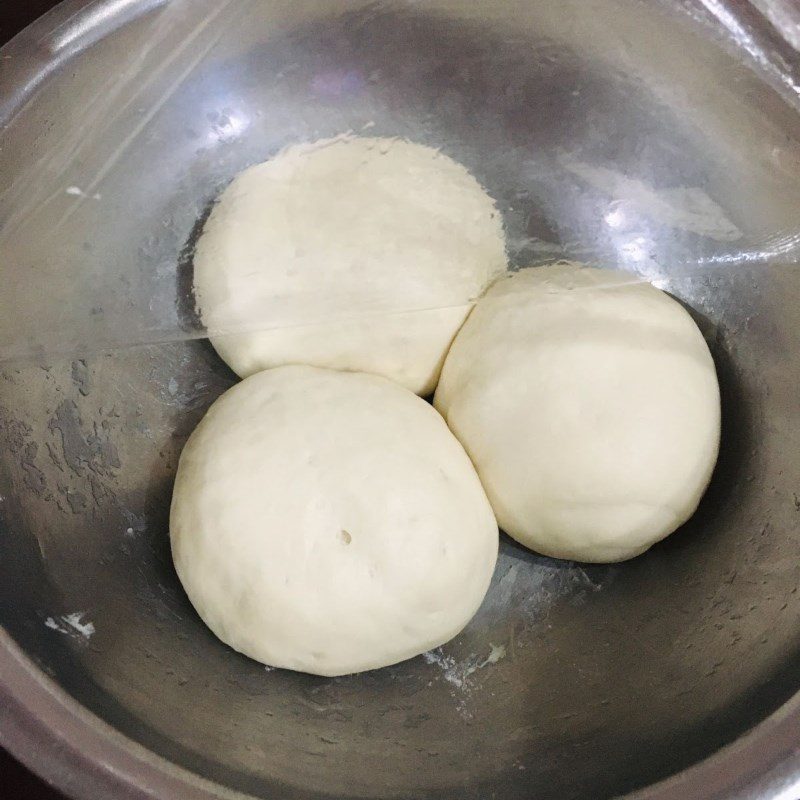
(616, 131)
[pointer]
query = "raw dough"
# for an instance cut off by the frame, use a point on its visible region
(590, 407)
(321, 250)
(329, 522)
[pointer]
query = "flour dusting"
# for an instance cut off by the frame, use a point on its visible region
(72, 624)
(498, 652)
(453, 672)
(461, 674)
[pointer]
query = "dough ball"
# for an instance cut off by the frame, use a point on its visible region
(329, 522)
(322, 249)
(590, 407)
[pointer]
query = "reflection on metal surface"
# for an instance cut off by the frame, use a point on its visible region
(99, 16)
(749, 35)
(785, 16)
(672, 172)
(685, 208)
(782, 249)
(228, 126)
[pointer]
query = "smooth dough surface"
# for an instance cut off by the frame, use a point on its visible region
(590, 408)
(320, 253)
(329, 522)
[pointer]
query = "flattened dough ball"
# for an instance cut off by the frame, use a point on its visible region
(329, 522)
(322, 249)
(590, 408)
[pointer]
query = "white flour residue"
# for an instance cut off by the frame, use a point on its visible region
(497, 653)
(685, 208)
(532, 588)
(71, 624)
(76, 191)
(453, 672)
(507, 583)
(535, 591)
(460, 674)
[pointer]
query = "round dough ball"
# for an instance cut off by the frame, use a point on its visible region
(590, 407)
(330, 522)
(322, 252)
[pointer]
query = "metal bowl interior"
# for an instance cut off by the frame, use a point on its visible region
(621, 137)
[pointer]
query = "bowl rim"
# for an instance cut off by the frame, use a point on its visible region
(70, 747)
(73, 749)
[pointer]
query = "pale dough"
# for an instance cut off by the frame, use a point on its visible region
(319, 253)
(329, 522)
(590, 408)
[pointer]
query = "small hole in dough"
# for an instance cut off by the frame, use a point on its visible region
(345, 537)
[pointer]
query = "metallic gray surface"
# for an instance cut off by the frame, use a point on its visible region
(573, 681)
